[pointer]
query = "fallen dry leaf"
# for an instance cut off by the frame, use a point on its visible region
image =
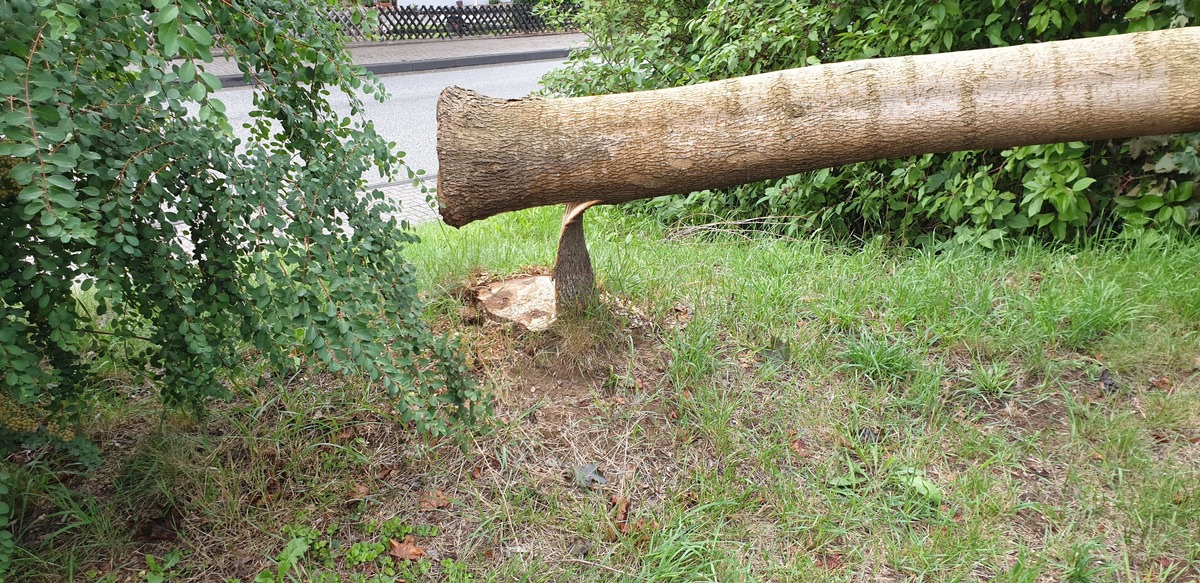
(622, 506)
(1162, 383)
(638, 526)
(830, 561)
(1172, 565)
(435, 499)
(270, 495)
(621, 524)
(357, 492)
(162, 528)
(1108, 384)
(800, 447)
(477, 472)
(407, 550)
(588, 476)
(580, 548)
(244, 562)
(688, 498)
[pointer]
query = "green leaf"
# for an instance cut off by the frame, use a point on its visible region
(1179, 215)
(187, 71)
(64, 198)
(169, 35)
(848, 480)
(16, 150)
(60, 181)
(291, 554)
(1149, 203)
(63, 160)
(924, 487)
(1017, 222)
(197, 91)
(212, 81)
(1140, 9)
(1083, 183)
(166, 16)
(199, 34)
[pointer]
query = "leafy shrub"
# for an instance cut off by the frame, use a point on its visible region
(1137, 188)
(128, 210)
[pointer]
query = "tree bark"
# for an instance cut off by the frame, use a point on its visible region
(574, 280)
(496, 155)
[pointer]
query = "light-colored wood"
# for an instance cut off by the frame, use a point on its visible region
(496, 155)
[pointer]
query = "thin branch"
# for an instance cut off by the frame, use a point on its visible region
(135, 336)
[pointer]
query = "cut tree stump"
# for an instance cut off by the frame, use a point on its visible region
(535, 301)
(527, 301)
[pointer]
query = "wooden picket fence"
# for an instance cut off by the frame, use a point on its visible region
(433, 22)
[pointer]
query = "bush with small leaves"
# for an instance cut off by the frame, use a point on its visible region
(128, 209)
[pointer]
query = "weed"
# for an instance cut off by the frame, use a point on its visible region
(363, 552)
(158, 572)
(994, 381)
(285, 562)
(1083, 563)
(881, 360)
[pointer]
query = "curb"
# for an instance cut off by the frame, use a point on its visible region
(433, 64)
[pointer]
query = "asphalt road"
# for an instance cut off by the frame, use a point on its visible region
(407, 116)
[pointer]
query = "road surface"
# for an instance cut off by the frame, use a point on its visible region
(407, 117)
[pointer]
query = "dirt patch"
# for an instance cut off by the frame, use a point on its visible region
(580, 392)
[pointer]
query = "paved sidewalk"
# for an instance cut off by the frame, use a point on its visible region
(425, 55)
(414, 208)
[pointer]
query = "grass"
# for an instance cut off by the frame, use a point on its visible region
(761, 410)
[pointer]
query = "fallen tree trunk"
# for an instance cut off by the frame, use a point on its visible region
(503, 155)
